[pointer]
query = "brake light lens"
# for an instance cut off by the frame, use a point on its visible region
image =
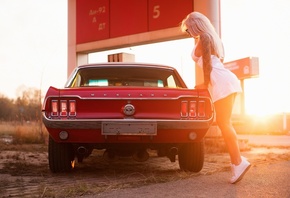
(184, 109)
(192, 109)
(63, 108)
(72, 108)
(54, 108)
(201, 109)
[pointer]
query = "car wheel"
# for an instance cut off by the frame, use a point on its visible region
(191, 156)
(60, 156)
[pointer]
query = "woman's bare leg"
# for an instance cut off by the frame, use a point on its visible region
(223, 110)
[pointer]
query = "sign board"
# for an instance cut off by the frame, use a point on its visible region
(92, 20)
(103, 19)
(244, 68)
(128, 17)
(167, 13)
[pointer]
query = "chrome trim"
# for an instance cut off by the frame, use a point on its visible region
(97, 123)
(125, 98)
(129, 109)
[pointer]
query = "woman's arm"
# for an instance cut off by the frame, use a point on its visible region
(206, 49)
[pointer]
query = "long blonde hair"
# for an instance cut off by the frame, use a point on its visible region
(197, 24)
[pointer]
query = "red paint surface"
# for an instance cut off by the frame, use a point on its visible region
(102, 19)
(92, 20)
(128, 17)
(167, 13)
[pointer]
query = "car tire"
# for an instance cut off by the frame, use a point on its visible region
(60, 156)
(191, 156)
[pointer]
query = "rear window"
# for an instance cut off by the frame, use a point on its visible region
(124, 76)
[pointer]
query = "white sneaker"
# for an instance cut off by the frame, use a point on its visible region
(239, 171)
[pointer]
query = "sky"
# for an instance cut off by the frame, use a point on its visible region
(33, 48)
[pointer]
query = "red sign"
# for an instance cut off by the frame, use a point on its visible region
(103, 19)
(92, 20)
(167, 13)
(244, 68)
(128, 17)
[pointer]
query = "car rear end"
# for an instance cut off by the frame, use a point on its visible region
(126, 119)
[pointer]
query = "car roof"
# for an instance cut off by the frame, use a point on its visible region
(126, 64)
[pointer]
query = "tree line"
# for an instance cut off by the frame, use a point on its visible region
(26, 107)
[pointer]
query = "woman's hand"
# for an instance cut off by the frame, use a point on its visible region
(200, 86)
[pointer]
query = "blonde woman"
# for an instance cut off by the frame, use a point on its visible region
(208, 53)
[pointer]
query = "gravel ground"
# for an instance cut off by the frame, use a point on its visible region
(24, 173)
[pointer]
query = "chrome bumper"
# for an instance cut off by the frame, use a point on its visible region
(97, 123)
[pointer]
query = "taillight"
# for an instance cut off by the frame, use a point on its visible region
(184, 109)
(201, 109)
(72, 108)
(192, 109)
(63, 108)
(54, 108)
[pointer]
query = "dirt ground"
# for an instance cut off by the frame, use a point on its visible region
(24, 171)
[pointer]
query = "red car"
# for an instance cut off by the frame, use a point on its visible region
(126, 109)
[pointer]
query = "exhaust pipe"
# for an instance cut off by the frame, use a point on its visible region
(82, 150)
(173, 151)
(141, 156)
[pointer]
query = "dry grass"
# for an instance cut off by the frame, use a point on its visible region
(215, 145)
(23, 133)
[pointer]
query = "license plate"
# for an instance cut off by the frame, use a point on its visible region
(129, 128)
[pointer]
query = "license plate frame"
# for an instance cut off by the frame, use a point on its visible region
(129, 128)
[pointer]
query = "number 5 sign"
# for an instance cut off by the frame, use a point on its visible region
(167, 13)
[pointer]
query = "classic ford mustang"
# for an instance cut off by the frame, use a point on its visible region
(125, 109)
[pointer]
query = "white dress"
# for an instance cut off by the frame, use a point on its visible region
(222, 81)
